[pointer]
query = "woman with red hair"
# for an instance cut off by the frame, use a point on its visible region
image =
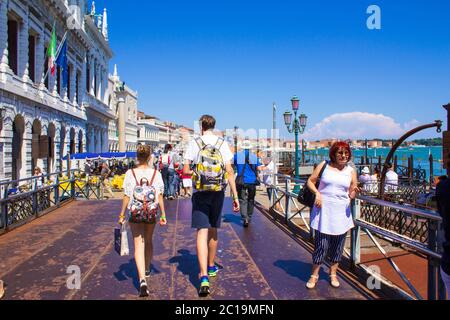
(331, 217)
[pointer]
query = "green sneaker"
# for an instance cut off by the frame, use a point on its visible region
(212, 271)
(204, 286)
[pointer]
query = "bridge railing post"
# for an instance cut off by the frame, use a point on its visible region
(287, 198)
(442, 292)
(86, 186)
(355, 243)
(34, 196)
(4, 209)
(57, 190)
(72, 184)
(433, 263)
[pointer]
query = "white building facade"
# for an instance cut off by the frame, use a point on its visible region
(148, 133)
(124, 103)
(41, 120)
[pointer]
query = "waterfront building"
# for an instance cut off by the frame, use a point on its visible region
(186, 135)
(152, 128)
(43, 121)
(123, 129)
(163, 133)
(148, 132)
(174, 136)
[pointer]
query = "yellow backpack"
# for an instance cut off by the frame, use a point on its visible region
(209, 171)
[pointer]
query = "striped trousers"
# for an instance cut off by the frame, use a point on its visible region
(328, 245)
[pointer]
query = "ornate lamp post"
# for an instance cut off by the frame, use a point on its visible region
(297, 127)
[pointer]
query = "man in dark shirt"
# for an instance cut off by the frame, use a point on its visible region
(443, 202)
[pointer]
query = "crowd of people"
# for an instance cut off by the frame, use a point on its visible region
(370, 182)
(208, 165)
(205, 171)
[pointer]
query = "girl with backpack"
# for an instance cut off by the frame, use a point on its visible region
(143, 195)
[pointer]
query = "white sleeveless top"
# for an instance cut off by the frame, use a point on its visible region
(334, 217)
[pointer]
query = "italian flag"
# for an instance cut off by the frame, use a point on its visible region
(51, 52)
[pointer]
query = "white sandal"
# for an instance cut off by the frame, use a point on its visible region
(311, 284)
(334, 281)
(2, 289)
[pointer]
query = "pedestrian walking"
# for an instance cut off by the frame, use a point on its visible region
(247, 165)
(365, 179)
(267, 176)
(143, 196)
(212, 158)
(39, 178)
(167, 168)
(88, 168)
(391, 179)
(177, 179)
(104, 175)
(443, 203)
(331, 217)
(187, 184)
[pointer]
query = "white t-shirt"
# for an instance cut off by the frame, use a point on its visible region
(391, 181)
(193, 150)
(129, 182)
(267, 174)
(365, 178)
(170, 158)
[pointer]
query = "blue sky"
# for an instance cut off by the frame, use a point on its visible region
(234, 58)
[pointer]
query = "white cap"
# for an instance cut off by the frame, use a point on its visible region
(246, 144)
(366, 170)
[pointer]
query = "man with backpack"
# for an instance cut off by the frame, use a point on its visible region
(247, 165)
(211, 158)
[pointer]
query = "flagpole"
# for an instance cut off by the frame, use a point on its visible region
(57, 53)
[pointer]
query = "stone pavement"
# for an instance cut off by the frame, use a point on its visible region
(412, 264)
(261, 262)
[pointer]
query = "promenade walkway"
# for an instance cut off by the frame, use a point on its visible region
(261, 262)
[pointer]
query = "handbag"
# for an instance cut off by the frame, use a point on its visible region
(121, 240)
(306, 196)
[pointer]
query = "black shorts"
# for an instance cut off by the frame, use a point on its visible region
(207, 209)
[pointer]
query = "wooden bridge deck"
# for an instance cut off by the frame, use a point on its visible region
(261, 262)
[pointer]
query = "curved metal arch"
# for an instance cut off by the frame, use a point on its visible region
(437, 123)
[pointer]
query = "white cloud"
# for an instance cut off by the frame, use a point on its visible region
(358, 125)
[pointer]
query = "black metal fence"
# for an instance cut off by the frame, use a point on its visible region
(25, 199)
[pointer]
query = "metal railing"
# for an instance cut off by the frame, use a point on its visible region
(414, 228)
(25, 199)
(426, 243)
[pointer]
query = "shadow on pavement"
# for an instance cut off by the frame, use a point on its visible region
(128, 271)
(188, 265)
(297, 269)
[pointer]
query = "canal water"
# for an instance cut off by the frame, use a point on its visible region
(421, 156)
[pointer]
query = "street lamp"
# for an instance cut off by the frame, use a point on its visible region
(297, 127)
